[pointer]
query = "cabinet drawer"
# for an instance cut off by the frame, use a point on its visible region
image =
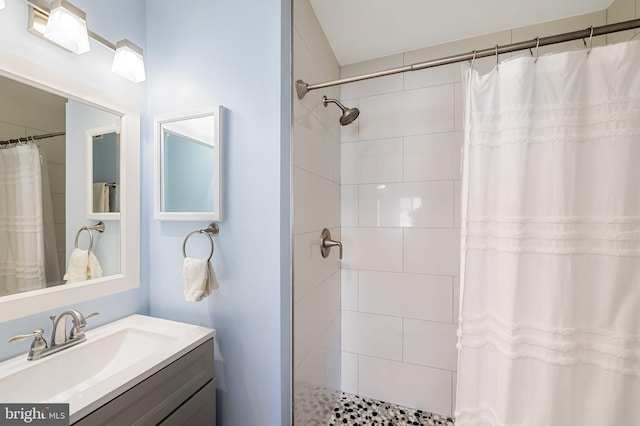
(199, 410)
(153, 399)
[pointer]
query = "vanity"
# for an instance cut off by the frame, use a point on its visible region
(137, 370)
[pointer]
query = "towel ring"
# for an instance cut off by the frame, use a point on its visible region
(98, 227)
(211, 230)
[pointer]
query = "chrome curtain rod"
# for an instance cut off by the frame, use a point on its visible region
(32, 138)
(302, 88)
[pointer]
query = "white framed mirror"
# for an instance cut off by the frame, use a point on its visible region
(188, 165)
(102, 195)
(119, 245)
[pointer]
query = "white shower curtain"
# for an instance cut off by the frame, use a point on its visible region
(550, 313)
(21, 223)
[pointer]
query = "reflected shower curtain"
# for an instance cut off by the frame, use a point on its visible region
(550, 312)
(21, 222)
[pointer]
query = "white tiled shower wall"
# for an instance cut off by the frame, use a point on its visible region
(316, 203)
(400, 213)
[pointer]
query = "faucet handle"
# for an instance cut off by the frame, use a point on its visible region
(37, 333)
(78, 330)
(92, 315)
(38, 346)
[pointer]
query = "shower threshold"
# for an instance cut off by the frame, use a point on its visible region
(352, 410)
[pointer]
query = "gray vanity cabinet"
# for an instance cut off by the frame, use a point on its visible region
(181, 394)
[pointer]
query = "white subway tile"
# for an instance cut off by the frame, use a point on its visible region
(559, 26)
(314, 147)
(306, 23)
(411, 112)
(454, 391)
(316, 202)
(409, 204)
(457, 203)
(304, 68)
(432, 344)
(459, 105)
(316, 367)
(372, 161)
(445, 74)
(59, 208)
(425, 297)
(409, 385)
(432, 251)
(374, 335)
(376, 249)
(456, 300)
(310, 269)
(349, 284)
(313, 315)
(57, 178)
(349, 373)
(375, 86)
(432, 157)
(349, 205)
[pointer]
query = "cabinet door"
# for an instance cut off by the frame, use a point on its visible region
(199, 410)
(155, 398)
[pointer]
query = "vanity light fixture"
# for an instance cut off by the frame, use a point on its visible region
(67, 26)
(128, 61)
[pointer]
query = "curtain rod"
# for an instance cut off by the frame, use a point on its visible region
(302, 88)
(32, 138)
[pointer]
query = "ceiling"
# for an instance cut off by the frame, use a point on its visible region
(359, 30)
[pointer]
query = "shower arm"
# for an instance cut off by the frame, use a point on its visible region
(302, 88)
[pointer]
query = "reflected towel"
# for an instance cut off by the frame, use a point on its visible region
(199, 279)
(83, 265)
(100, 197)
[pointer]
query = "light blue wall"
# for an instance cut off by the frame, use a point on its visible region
(200, 54)
(203, 53)
(122, 19)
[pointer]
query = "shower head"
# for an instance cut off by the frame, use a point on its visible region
(348, 114)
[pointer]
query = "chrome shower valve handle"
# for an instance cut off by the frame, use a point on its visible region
(326, 243)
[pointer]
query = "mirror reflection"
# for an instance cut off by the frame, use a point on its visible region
(42, 190)
(188, 145)
(103, 173)
(188, 179)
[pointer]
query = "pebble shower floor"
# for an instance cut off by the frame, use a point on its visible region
(352, 410)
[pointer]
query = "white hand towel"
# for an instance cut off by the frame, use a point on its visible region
(100, 197)
(199, 279)
(83, 265)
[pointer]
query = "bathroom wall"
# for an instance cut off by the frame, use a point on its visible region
(113, 20)
(316, 204)
(236, 54)
(400, 181)
(623, 10)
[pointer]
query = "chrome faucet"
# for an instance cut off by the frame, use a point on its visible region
(59, 339)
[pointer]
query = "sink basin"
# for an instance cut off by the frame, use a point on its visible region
(115, 357)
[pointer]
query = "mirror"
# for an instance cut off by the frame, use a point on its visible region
(188, 167)
(44, 190)
(103, 173)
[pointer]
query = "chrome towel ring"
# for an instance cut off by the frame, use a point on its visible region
(97, 227)
(211, 231)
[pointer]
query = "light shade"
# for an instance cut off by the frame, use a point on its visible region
(67, 27)
(2, 4)
(128, 61)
